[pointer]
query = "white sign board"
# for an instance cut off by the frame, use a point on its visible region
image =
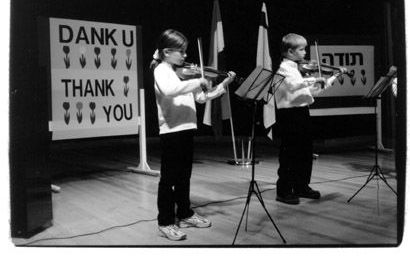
(94, 79)
(359, 59)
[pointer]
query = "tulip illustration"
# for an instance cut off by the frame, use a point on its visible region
(353, 78)
(82, 58)
(126, 88)
(79, 106)
(363, 78)
(113, 60)
(66, 106)
(92, 115)
(341, 80)
(66, 50)
(128, 62)
(97, 59)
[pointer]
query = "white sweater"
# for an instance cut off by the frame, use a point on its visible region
(176, 99)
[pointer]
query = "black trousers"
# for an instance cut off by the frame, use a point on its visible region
(174, 183)
(296, 150)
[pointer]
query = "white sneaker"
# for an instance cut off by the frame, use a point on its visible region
(171, 232)
(195, 221)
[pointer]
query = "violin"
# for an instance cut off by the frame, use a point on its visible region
(308, 67)
(191, 70)
(312, 66)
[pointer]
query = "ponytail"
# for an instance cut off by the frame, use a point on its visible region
(156, 60)
(154, 64)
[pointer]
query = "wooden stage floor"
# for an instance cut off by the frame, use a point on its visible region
(102, 203)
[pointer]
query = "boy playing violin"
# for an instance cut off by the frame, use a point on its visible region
(293, 98)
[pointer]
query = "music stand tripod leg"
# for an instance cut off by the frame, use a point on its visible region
(248, 199)
(251, 190)
(382, 177)
(259, 196)
(370, 177)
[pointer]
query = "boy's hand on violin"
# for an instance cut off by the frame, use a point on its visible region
(343, 70)
(320, 82)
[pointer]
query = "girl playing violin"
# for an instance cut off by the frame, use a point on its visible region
(177, 122)
(293, 98)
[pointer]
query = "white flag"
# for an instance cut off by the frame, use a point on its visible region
(263, 59)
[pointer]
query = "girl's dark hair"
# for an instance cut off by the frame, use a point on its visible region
(168, 39)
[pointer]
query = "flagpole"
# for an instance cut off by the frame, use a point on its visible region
(231, 122)
(216, 46)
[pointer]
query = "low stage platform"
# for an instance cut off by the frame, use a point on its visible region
(103, 203)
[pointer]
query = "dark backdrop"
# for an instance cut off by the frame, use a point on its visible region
(361, 21)
(346, 21)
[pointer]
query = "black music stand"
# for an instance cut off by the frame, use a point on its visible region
(259, 85)
(374, 94)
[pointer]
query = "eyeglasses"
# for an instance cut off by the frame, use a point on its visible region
(181, 51)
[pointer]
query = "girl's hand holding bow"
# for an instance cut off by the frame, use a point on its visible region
(228, 80)
(205, 84)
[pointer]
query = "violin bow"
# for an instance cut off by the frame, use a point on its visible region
(201, 62)
(317, 59)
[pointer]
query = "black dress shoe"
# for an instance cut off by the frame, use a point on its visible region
(288, 199)
(308, 193)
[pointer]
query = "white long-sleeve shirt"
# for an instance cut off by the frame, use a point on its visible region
(176, 99)
(294, 91)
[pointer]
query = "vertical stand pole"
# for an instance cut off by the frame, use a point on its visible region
(379, 145)
(143, 167)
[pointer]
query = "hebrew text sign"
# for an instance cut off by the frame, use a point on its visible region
(358, 59)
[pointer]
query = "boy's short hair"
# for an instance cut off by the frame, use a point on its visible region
(291, 41)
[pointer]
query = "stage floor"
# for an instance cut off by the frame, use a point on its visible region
(103, 203)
